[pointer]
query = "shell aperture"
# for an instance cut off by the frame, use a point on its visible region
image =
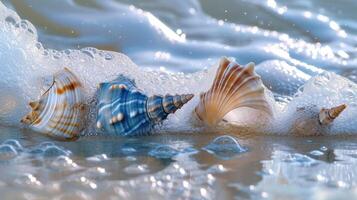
(59, 111)
(126, 111)
(233, 87)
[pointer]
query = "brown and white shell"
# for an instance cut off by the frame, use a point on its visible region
(233, 87)
(312, 121)
(60, 109)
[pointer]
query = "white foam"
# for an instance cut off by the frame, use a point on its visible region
(325, 91)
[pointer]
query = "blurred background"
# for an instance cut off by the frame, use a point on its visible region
(190, 35)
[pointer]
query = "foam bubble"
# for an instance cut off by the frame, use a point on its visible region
(7, 152)
(163, 151)
(16, 144)
(225, 147)
(55, 151)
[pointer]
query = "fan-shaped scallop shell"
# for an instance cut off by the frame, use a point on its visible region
(124, 110)
(59, 111)
(234, 87)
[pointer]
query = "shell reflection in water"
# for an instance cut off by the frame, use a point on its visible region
(234, 87)
(60, 109)
(124, 110)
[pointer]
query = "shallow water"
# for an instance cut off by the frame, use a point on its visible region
(178, 166)
(299, 38)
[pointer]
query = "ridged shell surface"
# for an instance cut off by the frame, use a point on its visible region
(59, 111)
(126, 111)
(234, 87)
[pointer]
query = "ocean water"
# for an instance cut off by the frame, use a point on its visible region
(305, 52)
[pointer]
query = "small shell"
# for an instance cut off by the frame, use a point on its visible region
(59, 111)
(312, 121)
(124, 110)
(326, 116)
(233, 87)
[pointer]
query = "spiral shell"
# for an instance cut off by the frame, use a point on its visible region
(327, 115)
(59, 111)
(124, 110)
(233, 87)
(312, 121)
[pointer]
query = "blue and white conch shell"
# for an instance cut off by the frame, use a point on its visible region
(59, 112)
(234, 90)
(126, 111)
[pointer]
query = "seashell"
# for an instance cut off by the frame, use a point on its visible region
(124, 110)
(233, 87)
(312, 121)
(326, 116)
(59, 111)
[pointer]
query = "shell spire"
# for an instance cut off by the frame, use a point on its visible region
(124, 110)
(326, 116)
(59, 111)
(233, 87)
(159, 107)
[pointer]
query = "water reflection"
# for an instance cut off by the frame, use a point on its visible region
(293, 175)
(177, 165)
(157, 167)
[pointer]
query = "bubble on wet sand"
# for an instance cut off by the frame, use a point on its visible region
(16, 144)
(164, 152)
(167, 151)
(55, 151)
(7, 152)
(225, 147)
(298, 159)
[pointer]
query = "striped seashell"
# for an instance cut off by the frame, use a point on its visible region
(59, 111)
(126, 111)
(234, 87)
